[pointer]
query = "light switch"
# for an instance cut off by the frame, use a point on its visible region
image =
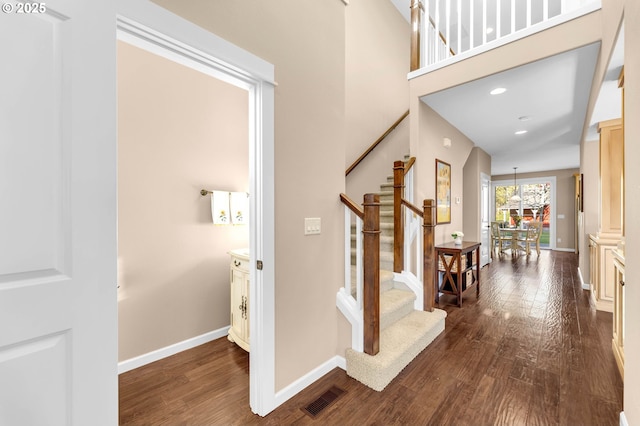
(312, 225)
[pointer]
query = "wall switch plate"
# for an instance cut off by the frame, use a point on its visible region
(560, 216)
(312, 225)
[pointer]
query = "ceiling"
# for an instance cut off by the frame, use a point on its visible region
(547, 98)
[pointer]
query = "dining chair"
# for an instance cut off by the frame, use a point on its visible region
(498, 238)
(534, 231)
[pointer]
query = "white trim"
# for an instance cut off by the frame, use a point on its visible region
(585, 286)
(294, 388)
(150, 24)
(565, 249)
(623, 419)
(167, 351)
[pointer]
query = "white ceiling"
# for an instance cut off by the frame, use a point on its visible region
(552, 92)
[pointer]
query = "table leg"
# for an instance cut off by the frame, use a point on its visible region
(478, 272)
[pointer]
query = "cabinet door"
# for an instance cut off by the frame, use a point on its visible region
(237, 299)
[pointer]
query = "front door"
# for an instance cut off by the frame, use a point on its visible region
(58, 326)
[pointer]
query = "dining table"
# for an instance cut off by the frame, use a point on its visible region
(514, 232)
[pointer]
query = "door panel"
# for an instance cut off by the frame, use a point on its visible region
(58, 362)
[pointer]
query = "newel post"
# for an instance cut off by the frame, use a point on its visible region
(398, 217)
(371, 269)
(429, 267)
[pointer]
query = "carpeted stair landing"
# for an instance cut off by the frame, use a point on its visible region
(400, 343)
(405, 332)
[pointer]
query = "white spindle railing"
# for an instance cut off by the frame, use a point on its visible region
(349, 298)
(412, 272)
(438, 41)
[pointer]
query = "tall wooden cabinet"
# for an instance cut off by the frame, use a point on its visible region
(239, 280)
(611, 214)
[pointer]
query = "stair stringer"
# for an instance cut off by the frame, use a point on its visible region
(349, 308)
(412, 282)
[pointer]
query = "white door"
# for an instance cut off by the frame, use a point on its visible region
(485, 220)
(58, 335)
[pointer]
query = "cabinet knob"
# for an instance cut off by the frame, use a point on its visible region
(622, 283)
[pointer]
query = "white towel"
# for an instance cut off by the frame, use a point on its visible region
(220, 208)
(239, 208)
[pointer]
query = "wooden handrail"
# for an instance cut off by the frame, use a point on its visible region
(444, 40)
(356, 209)
(413, 208)
(409, 165)
(376, 143)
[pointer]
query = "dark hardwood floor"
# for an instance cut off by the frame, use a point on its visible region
(531, 350)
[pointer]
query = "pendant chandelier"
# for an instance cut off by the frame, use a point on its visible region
(515, 197)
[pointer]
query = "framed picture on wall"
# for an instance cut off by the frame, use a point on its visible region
(443, 192)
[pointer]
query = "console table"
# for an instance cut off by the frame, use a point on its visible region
(457, 269)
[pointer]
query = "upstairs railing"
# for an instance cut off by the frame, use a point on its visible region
(359, 301)
(458, 26)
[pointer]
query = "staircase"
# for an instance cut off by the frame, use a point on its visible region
(404, 331)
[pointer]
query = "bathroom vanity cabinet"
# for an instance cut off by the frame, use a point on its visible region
(239, 279)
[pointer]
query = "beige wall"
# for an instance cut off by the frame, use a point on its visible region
(305, 41)
(477, 163)
(433, 128)
(173, 140)
(632, 206)
(377, 63)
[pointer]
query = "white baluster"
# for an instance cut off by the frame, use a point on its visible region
(437, 21)
(447, 29)
(498, 20)
(359, 262)
(459, 27)
(471, 30)
(484, 22)
(347, 250)
(545, 10)
(513, 16)
(528, 13)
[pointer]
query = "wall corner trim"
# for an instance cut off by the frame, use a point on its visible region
(623, 419)
(585, 286)
(297, 386)
(167, 351)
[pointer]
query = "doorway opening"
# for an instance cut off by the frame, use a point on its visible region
(528, 200)
(202, 51)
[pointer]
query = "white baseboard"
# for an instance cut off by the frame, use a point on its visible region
(585, 286)
(309, 378)
(158, 354)
(623, 419)
(570, 250)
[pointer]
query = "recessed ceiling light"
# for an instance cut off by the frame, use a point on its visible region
(498, 91)
(489, 30)
(521, 132)
(524, 118)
